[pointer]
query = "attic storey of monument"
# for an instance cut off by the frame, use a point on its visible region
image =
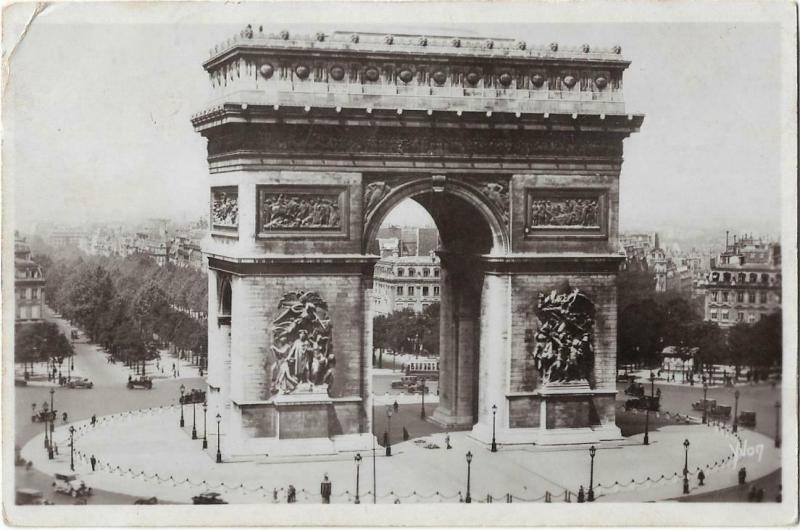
(514, 150)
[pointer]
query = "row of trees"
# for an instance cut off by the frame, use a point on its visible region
(40, 342)
(408, 332)
(650, 321)
(126, 304)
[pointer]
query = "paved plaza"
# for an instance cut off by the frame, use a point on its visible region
(145, 453)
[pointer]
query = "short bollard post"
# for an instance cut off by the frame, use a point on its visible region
(567, 496)
(488, 498)
(509, 498)
(547, 497)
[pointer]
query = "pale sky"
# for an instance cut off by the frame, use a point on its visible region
(97, 109)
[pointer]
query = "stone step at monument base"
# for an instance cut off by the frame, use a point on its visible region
(606, 435)
(274, 449)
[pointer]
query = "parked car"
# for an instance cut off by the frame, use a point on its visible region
(42, 416)
(151, 500)
(650, 403)
(68, 484)
(747, 419)
(140, 382)
(707, 405)
(208, 497)
(635, 389)
(30, 496)
(194, 395)
(720, 412)
(80, 382)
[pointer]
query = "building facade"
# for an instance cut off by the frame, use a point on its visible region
(407, 282)
(744, 283)
(29, 284)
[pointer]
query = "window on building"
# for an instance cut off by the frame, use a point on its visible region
(751, 297)
(425, 306)
(412, 271)
(751, 317)
(740, 278)
(436, 291)
(28, 293)
(400, 290)
(713, 315)
(426, 272)
(740, 316)
(724, 296)
(426, 291)
(725, 315)
(753, 277)
(765, 278)
(436, 272)
(411, 290)
(763, 297)
(401, 272)
(740, 296)
(713, 296)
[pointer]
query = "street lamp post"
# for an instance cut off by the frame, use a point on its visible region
(219, 454)
(194, 427)
(777, 424)
(358, 471)
(389, 431)
(469, 468)
(736, 411)
(647, 409)
(46, 416)
(52, 408)
(494, 422)
(72, 447)
(705, 402)
(686, 467)
(592, 452)
(183, 389)
(422, 411)
(205, 438)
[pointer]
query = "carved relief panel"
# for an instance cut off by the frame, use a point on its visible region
(225, 209)
(570, 212)
(304, 211)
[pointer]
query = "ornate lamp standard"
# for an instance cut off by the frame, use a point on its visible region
(652, 379)
(72, 447)
(469, 466)
(358, 471)
(52, 415)
(494, 422)
(389, 431)
(592, 452)
(183, 389)
(777, 424)
(686, 467)
(736, 411)
(46, 416)
(422, 411)
(205, 438)
(219, 454)
(194, 427)
(705, 402)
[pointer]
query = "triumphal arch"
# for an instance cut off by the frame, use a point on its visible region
(515, 151)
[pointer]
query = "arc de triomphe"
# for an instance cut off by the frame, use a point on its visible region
(515, 151)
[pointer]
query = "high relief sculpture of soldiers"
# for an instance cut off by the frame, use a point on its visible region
(301, 344)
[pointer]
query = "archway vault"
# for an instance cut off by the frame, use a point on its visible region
(486, 197)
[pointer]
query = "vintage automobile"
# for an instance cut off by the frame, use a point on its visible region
(80, 382)
(68, 484)
(418, 388)
(140, 382)
(73, 334)
(30, 496)
(151, 500)
(707, 405)
(720, 412)
(747, 419)
(635, 389)
(42, 416)
(208, 497)
(652, 404)
(194, 395)
(405, 381)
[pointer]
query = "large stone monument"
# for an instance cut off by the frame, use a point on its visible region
(515, 151)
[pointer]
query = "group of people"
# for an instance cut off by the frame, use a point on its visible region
(225, 210)
(306, 360)
(570, 212)
(295, 212)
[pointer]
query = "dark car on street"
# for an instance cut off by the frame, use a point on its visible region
(195, 395)
(80, 383)
(140, 382)
(208, 497)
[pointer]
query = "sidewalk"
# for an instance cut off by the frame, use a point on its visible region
(145, 453)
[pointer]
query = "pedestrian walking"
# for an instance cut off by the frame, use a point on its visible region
(395, 406)
(94, 420)
(275, 495)
(405, 434)
(701, 476)
(581, 494)
(291, 495)
(64, 417)
(742, 476)
(447, 441)
(130, 378)
(93, 461)
(55, 448)
(325, 489)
